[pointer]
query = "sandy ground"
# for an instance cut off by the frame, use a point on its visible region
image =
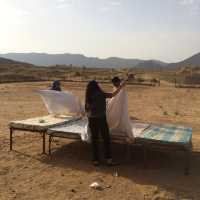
(26, 174)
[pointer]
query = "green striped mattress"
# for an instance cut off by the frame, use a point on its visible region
(168, 134)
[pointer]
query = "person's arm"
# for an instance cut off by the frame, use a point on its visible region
(110, 95)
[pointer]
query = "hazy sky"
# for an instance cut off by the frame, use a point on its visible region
(168, 30)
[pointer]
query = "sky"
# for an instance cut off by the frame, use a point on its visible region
(167, 30)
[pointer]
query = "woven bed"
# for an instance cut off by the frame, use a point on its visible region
(38, 125)
(170, 137)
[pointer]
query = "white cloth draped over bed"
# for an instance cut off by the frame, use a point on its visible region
(63, 102)
(117, 112)
(118, 117)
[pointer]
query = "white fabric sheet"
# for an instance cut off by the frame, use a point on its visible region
(118, 117)
(117, 112)
(63, 102)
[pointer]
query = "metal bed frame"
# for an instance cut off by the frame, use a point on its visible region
(42, 130)
(146, 145)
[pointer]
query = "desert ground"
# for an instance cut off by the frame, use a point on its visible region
(26, 174)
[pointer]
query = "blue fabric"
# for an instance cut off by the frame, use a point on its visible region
(168, 134)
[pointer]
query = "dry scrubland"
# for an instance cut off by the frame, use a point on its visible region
(11, 71)
(26, 72)
(26, 174)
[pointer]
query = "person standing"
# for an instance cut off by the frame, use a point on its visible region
(56, 86)
(117, 112)
(95, 107)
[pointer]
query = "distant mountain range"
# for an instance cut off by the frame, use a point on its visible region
(5, 61)
(191, 61)
(43, 59)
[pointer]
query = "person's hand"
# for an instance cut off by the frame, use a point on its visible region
(128, 77)
(123, 83)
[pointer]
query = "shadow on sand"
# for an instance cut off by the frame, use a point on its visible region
(164, 170)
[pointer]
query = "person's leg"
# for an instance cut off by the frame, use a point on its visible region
(106, 137)
(107, 141)
(93, 125)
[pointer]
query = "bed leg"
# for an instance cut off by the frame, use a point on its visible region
(44, 142)
(11, 138)
(50, 140)
(187, 162)
(144, 156)
(128, 151)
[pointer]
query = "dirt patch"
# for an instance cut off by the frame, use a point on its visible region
(26, 174)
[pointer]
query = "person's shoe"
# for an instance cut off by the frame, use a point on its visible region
(110, 162)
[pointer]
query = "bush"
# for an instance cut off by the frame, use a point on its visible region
(140, 80)
(77, 74)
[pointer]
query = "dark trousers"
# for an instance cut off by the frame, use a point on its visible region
(98, 126)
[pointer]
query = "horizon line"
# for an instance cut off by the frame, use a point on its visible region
(104, 58)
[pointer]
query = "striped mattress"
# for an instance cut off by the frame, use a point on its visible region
(160, 134)
(168, 134)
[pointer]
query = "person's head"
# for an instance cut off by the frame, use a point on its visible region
(92, 88)
(116, 81)
(56, 86)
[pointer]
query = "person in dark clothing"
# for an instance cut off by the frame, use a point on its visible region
(95, 106)
(56, 86)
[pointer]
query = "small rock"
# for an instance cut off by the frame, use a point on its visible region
(108, 186)
(73, 190)
(95, 186)
(62, 174)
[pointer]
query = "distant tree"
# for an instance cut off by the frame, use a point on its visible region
(77, 73)
(140, 80)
